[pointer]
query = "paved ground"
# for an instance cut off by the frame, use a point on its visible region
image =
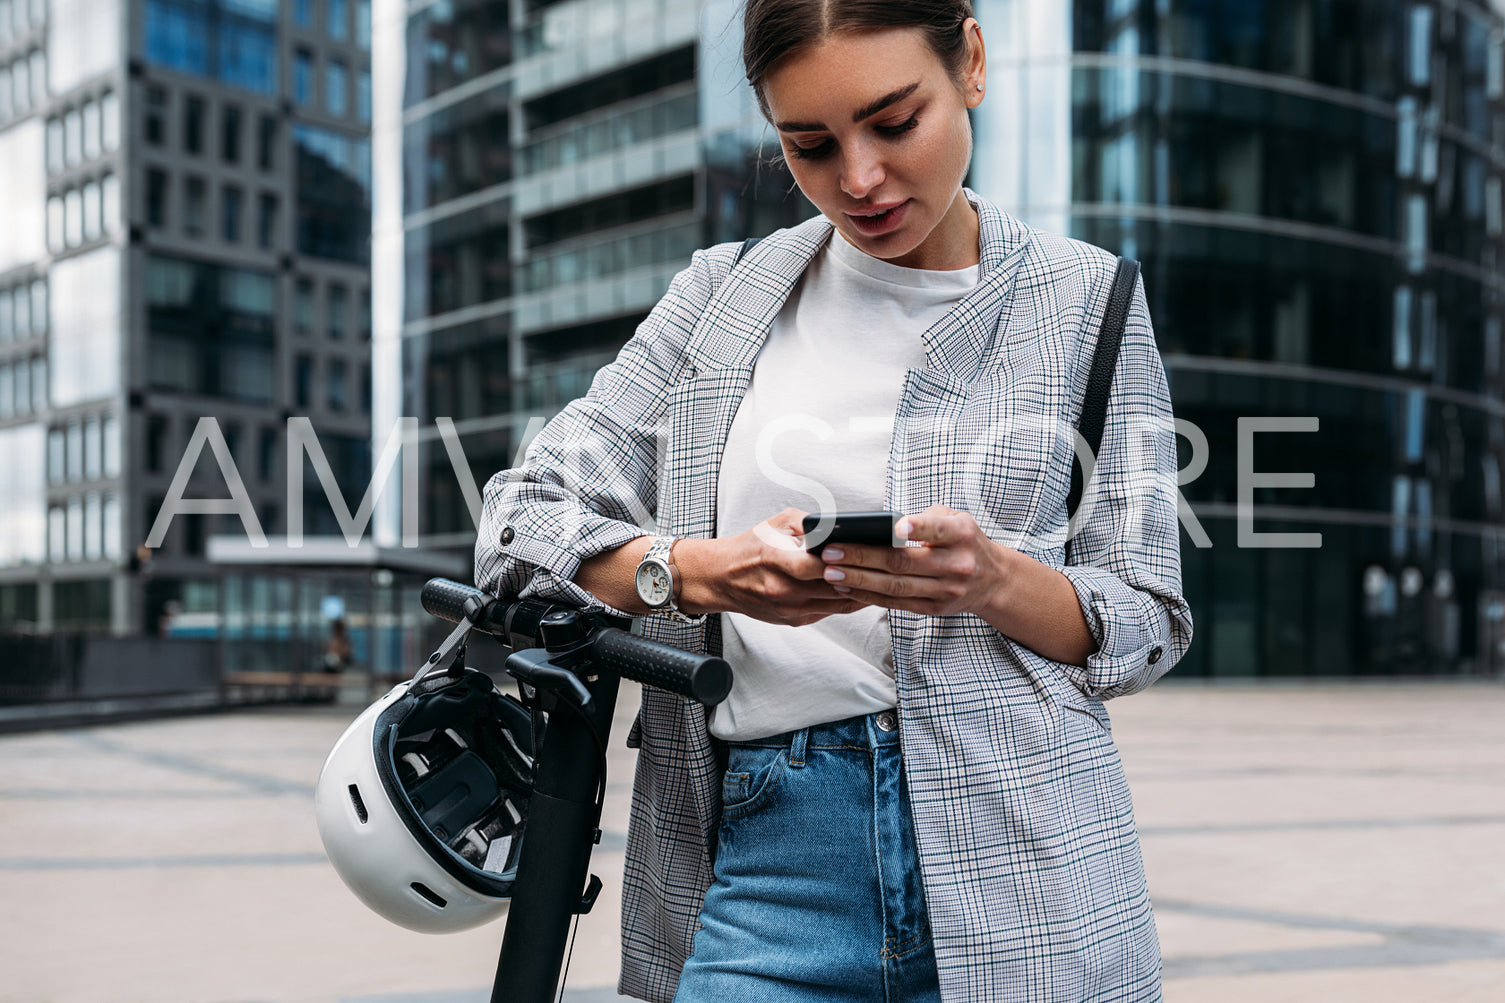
(1303, 844)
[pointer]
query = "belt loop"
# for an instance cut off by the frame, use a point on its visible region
(797, 747)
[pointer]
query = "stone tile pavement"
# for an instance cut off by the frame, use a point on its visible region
(1303, 843)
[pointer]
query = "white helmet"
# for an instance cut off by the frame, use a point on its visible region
(422, 802)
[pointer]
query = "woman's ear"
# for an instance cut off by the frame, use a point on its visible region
(975, 69)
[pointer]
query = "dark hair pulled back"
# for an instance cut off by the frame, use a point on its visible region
(774, 29)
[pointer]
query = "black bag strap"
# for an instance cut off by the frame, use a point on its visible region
(1100, 377)
(747, 245)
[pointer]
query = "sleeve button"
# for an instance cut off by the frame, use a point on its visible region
(1155, 654)
(508, 535)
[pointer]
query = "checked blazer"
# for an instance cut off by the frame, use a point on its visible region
(1031, 863)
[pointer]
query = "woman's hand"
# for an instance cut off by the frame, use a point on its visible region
(958, 569)
(764, 573)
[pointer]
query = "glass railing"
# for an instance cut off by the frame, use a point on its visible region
(612, 130)
(546, 269)
(550, 386)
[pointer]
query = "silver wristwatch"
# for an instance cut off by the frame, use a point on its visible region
(657, 580)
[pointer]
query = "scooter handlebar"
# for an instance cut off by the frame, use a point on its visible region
(705, 678)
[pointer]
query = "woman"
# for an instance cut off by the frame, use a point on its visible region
(912, 349)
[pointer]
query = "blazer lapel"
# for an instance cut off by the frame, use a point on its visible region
(957, 343)
(717, 368)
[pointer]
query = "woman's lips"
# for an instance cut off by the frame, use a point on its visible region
(884, 222)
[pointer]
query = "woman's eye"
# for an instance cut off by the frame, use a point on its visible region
(899, 130)
(812, 152)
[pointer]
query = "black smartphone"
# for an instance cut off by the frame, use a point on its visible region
(872, 528)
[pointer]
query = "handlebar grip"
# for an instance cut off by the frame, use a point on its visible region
(705, 678)
(446, 599)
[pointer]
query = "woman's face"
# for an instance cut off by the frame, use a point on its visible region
(875, 131)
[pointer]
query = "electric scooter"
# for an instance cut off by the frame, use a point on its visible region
(569, 663)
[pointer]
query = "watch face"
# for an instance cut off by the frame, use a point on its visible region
(654, 584)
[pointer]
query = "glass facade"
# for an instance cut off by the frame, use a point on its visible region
(334, 194)
(557, 164)
(233, 41)
(1313, 190)
(211, 329)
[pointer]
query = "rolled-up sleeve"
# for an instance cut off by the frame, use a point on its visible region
(1124, 560)
(589, 481)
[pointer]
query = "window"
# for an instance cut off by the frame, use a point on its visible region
(6, 330)
(54, 225)
(266, 453)
(156, 198)
(339, 18)
(73, 218)
(193, 125)
(57, 452)
(365, 388)
(7, 388)
(363, 311)
(266, 222)
(75, 529)
(93, 211)
(93, 450)
(266, 143)
(193, 207)
(109, 190)
(112, 526)
(38, 306)
(22, 314)
(363, 23)
(303, 307)
(338, 310)
(303, 381)
(230, 134)
(232, 40)
(303, 76)
(75, 451)
(334, 186)
(363, 95)
(109, 122)
(73, 137)
(156, 116)
(156, 442)
(56, 533)
(91, 130)
(93, 513)
(231, 199)
(303, 12)
(338, 385)
(336, 87)
(110, 436)
(55, 157)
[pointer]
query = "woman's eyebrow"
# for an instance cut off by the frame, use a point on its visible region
(866, 111)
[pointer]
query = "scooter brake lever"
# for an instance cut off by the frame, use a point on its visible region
(532, 666)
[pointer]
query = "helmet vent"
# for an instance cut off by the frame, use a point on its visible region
(428, 894)
(360, 806)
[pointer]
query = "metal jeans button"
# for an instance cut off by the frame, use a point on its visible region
(887, 720)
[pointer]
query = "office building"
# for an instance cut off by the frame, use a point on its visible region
(185, 218)
(542, 171)
(1314, 189)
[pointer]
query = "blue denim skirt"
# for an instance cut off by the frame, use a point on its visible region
(817, 893)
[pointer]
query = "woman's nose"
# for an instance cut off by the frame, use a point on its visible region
(862, 172)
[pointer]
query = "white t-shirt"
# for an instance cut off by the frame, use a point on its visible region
(813, 433)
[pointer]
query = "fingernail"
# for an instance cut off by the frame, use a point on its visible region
(835, 575)
(843, 589)
(904, 528)
(833, 553)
